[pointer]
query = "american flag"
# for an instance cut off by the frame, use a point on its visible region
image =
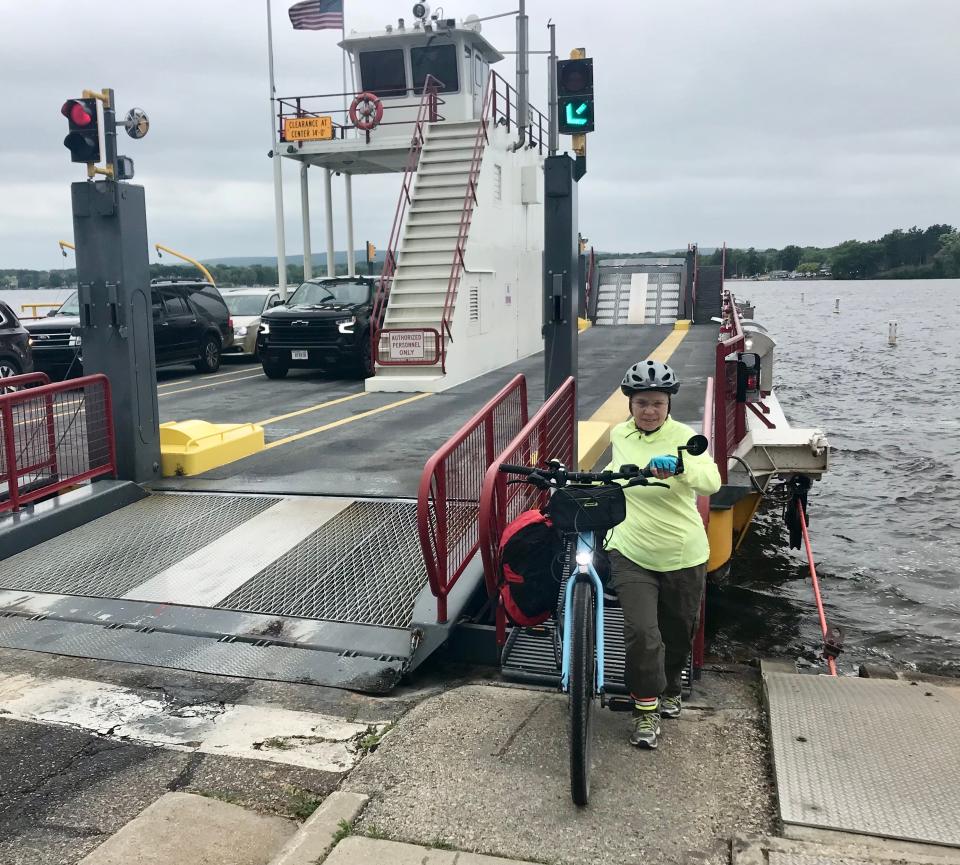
(317, 15)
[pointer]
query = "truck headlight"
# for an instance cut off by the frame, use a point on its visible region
(264, 328)
(240, 330)
(345, 325)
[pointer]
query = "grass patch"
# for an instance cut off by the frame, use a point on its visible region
(370, 741)
(344, 830)
(374, 831)
(221, 795)
(440, 844)
(302, 803)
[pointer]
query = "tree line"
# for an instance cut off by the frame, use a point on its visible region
(225, 275)
(914, 253)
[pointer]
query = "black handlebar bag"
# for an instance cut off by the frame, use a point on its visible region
(587, 508)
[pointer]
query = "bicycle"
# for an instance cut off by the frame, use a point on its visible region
(597, 504)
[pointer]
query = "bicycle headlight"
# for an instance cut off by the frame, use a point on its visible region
(345, 325)
(585, 558)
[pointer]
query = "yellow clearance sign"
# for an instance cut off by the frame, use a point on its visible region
(308, 128)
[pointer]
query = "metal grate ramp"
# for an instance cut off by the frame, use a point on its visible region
(529, 655)
(363, 566)
(867, 756)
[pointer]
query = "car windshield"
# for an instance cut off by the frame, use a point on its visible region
(71, 306)
(244, 304)
(315, 293)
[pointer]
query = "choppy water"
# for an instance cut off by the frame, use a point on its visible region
(885, 521)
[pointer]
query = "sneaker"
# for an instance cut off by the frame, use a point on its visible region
(646, 730)
(670, 706)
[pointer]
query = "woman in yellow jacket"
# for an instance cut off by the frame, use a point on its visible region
(658, 554)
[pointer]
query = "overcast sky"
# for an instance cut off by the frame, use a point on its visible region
(755, 122)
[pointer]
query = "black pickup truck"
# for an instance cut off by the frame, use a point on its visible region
(324, 324)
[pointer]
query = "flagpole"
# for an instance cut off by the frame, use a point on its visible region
(347, 178)
(277, 176)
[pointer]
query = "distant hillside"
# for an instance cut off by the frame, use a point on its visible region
(319, 259)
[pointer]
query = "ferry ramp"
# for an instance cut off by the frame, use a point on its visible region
(301, 562)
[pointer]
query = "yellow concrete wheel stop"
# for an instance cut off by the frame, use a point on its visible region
(583, 324)
(681, 324)
(192, 447)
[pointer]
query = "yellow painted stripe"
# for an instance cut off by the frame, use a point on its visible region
(311, 408)
(346, 420)
(214, 384)
(190, 379)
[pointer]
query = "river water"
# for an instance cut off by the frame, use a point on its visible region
(885, 521)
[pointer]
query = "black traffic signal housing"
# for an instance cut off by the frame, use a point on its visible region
(83, 136)
(575, 96)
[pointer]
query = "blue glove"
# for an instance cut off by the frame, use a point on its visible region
(665, 463)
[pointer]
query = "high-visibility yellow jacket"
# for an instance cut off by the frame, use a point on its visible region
(663, 530)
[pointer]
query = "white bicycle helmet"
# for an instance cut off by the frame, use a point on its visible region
(649, 375)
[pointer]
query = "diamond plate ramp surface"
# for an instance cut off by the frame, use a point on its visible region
(111, 555)
(867, 756)
(363, 566)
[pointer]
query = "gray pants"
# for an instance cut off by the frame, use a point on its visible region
(660, 614)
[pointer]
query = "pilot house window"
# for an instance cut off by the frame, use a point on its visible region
(440, 61)
(383, 72)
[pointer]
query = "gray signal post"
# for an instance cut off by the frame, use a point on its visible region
(116, 318)
(561, 256)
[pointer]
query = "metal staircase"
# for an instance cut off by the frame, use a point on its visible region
(419, 293)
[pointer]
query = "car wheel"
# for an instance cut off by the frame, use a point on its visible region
(209, 355)
(274, 370)
(8, 369)
(366, 366)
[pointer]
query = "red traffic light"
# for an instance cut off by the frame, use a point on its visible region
(83, 135)
(76, 112)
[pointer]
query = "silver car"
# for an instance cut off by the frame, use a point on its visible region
(246, 305)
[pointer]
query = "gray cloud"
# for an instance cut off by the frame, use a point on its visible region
(758, 123)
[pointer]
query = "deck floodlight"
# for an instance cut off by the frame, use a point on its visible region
(421, 11)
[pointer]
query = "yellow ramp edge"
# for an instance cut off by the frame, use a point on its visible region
(593, 438)
(191, 447)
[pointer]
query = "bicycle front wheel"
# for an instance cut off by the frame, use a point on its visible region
(582, 688)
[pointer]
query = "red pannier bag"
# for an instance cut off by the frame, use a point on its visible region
(529, 549)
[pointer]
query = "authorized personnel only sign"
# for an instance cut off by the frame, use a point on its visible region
(407, 345)
(308, 128)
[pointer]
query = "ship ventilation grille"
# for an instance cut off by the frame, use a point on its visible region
(474, 305)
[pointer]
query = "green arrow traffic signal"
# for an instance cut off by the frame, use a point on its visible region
(577, 116)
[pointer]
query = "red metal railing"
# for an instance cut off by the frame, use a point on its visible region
(54, 436)
(703, 506)
(730, 418)
(427, 113)
(548, 435)
(17, 382)
(450, 486)
(295, 107)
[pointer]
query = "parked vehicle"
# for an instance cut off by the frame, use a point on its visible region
(246, 305)
(324, 324)
(15, 354)
(191, 324)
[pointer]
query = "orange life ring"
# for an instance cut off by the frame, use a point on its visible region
(366, 111)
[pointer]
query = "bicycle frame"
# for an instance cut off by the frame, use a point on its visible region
(586, 543)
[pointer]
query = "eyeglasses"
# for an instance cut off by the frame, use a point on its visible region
(643, 404)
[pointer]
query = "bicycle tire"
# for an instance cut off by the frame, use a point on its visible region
(582, 689)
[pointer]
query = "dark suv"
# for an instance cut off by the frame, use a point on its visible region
(15, 355)
(191, 324)
(325, 323)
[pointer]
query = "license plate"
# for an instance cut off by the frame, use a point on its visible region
(299, 354)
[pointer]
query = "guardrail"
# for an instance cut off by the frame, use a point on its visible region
(426, 113)
(12, 383)
(299, 107)
(54, 436)
(548, 435)
(730, 417)
(449, 496)
(35, 306)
